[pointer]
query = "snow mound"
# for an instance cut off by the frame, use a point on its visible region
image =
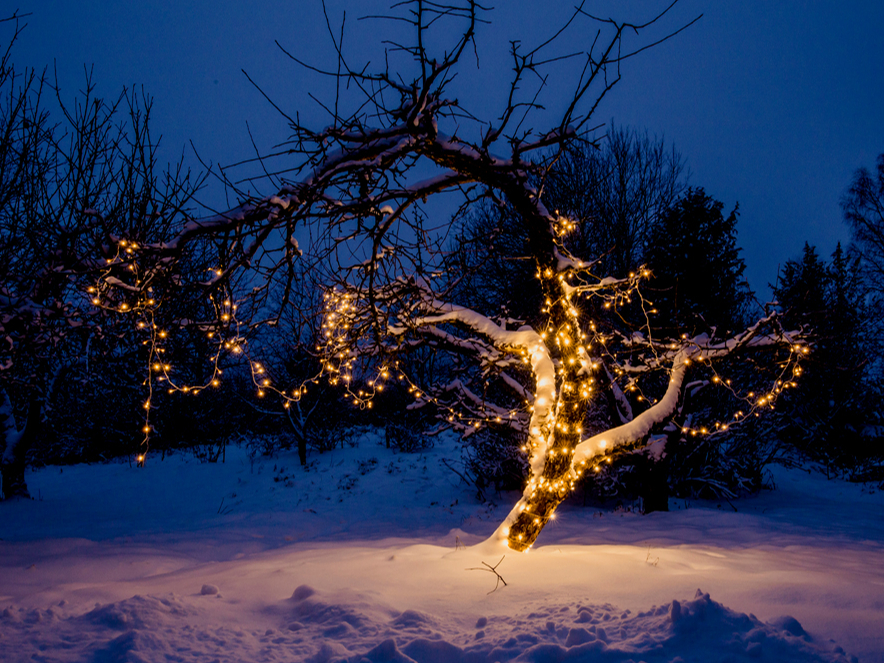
(315, 629)
(209, 590)
(139, 612)
(371, 555)
(695, 630)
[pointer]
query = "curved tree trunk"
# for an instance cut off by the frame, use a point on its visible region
(554, 482)
(550, 489)
(567, 456)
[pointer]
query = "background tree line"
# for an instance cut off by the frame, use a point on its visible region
(635, 208)
(75, 175)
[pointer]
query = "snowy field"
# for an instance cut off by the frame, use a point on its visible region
(371, 555)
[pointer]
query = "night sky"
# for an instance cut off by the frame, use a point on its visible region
(773, 104)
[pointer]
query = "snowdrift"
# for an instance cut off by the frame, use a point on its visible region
(370, 555)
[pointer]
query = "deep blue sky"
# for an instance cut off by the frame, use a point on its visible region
(774, 104)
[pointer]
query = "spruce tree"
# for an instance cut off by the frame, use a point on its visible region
(826, 418)
(699, 283)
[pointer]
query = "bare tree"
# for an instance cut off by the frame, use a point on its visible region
(863, 207)
(355, 201)
(73, 177)
(617, 193)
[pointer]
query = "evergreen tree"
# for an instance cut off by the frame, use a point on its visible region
(699, 286)
(826, 419)
(698, 272)
(846, 304)
(801, 289)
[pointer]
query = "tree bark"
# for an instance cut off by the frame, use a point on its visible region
(555, 486)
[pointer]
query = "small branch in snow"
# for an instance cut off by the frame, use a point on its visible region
(491, 569)
(648, 559)
(224, 510)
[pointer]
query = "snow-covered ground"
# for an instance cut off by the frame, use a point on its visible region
(376, 556)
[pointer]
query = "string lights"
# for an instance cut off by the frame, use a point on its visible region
(586, 361)
(136, 297)
(552, 374)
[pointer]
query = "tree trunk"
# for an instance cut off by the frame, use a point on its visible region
(554, 487)
(15, 448)
(653, 488)
(302, 450)
(300, 433)
(12, 481)
(555, 481)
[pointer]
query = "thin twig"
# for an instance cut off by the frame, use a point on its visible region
(491, 569)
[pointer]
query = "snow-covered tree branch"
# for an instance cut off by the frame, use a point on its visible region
(547, 377)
